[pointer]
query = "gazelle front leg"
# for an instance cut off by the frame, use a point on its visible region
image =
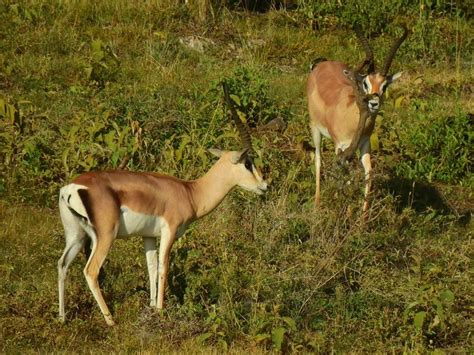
(152, 264)
(168, 235)
(317, 161)
(365, 159)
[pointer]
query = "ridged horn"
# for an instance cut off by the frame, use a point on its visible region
(393, 50)
(369, 54)
(243, 131)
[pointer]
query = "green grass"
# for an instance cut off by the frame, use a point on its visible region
(259, 274)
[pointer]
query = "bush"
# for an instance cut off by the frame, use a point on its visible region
(428, 37)
(440, 151)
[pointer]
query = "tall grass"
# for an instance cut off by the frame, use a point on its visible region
(88, 85)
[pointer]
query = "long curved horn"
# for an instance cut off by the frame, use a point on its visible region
(369, 54)
(243, 131)
(393, 50)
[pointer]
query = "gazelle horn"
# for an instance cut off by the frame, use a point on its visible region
(393, 50)
(243, 131)
(369, 54)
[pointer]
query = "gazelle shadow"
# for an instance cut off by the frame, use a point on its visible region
(421, 197)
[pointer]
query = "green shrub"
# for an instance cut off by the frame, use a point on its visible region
(249, 90)
(428, 37)
(39, 157)
(438, 151)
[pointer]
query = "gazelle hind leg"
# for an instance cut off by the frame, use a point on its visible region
(101, 244)
(75, 236)
(317, 161)
(87, 252)
(152, 264)
(70, 252)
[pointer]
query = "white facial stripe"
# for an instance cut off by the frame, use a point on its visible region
(367, 85)
(257, 174)
(382, 87)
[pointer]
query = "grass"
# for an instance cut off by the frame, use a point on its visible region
(259, 274)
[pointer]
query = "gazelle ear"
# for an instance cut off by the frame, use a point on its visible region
(217, 152)
(354, 77)
(238, 157)
(349, 74)
(394, 77)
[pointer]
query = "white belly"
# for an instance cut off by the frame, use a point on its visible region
(133, 223)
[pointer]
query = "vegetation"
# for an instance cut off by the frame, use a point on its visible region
(96, 85)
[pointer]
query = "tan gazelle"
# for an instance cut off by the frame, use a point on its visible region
(343, 105)
(106, 205)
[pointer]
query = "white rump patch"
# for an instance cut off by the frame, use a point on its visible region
(71, 198)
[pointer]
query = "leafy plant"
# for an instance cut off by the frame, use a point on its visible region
(104, 65)
(440, 151)
(94, 141)
(216, 330)
(249, 91)
(430, 313)
(426, 40)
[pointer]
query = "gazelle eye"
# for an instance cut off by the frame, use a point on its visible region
(248, 165)
(366, 87)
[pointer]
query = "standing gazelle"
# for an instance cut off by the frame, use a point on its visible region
(339, 103)
(106, 205)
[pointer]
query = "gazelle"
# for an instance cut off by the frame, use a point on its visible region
(343, 105)
(105, 205)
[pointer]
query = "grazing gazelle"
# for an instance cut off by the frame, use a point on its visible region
(106, 205)
(343, 105)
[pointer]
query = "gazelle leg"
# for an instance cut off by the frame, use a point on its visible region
(317, 161)
(365, 159)
(167, 239)
(152, 263)
(87, 253)
(75, 237)
(73, 246)
(101, 244)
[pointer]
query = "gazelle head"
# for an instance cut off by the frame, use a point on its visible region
(243, 170)
(374, 83)
(240, 163)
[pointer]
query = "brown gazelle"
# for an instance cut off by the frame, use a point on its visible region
(106, 205)
(343, 105)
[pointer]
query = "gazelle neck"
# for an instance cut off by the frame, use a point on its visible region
(209, 190)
